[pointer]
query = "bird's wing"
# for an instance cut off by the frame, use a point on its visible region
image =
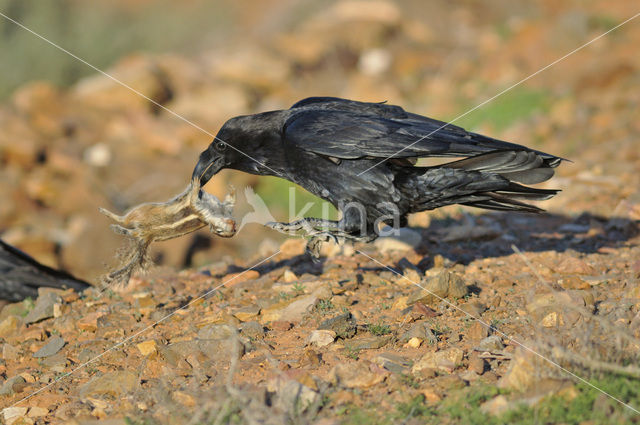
(351, 135)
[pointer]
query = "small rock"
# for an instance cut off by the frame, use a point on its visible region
(9, 352)
(216, 331)
(297, 309)
(9, 325)
(235, 278)
(247, 313)
(392, 362)
(281, 325)
(291, 395)
(354, 376)
(421, 331)
(473, 309)
(446, 360)
(252, 329)
(524, 371)
(343, 325)
(478, 331)
(495, 406)
(552, 320)
(413, 342)
(491, 344)
(36, 412)
(13, 414)
(89, 322)
(477, 365)
(147, 347)
(322, 337)
(444, 284)
(289, 276)
(43, 308)
(114, 384)
(405, 240)
(184, 398)
(369, 342)
(13, 385)
(52, 346)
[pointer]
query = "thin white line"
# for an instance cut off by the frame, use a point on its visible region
(135, 91)
(504, 335)
(504, 91)
(124, 341)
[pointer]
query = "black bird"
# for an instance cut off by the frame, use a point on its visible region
(21, 275)
(355, 153)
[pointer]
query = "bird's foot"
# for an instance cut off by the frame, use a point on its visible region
(314, 244)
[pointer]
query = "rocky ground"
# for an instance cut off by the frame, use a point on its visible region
(468, 317)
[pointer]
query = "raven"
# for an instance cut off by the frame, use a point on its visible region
(361, 157)
(21, 275)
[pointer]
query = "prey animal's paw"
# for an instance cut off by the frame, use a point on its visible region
(314, 245)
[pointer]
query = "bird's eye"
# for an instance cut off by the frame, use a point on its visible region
(221, 146)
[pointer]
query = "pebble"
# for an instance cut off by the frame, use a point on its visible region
(477, 365)
(421, 331)
(322, 337)
(14, 414)
(369, 342)
(43, 308)
(445, 360)
(52, 346)
(114, 383)
(357, 375)
(298, 308)
(147, 347)
(252, 329)
(491, 344)
(343, 325)
(247, 313)
(13, 385)
(392, 362)
(405, 240)
(9, 325)
(444, 284)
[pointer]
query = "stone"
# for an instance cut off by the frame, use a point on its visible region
(148, 347)
(43, 308)
(477, 365)
(491, 344)
(9, 325)
(289, 276)
(36, 412)
(354, 376)
(495, 406)
(13, 385)
(343, 325)
(369, 342)
(392, 362)
(405, 240)
(298, 308)
(236, 278)
(322, 337)
(524, 371)
(247, 313)
(414, 342)
(444, 284)
(216, 331)
(291, 395)
(114, 383)
(473, 309)
(445, 360)
(478, 331)
(14, 414)
(89, 322)
(421, 331)
(252, 329)
(9, 352)
(52, 346)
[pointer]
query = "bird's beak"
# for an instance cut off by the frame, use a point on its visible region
(209, 164)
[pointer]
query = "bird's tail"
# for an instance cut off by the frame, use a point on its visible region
(489, 181)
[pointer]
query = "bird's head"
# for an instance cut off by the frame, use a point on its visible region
(211, 161)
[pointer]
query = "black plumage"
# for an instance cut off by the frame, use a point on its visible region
(354, 152)
(21, 275)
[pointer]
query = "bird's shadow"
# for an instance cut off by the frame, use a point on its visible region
(490, 235)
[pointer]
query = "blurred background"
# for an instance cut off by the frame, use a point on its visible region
(72, 139)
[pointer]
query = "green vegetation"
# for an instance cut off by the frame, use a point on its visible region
(278, 192)
(517, 104)
(379, 329)
(587, 406)
(325, 306)
(98, 32)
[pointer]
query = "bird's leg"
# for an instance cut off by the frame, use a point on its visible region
(309, 225)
